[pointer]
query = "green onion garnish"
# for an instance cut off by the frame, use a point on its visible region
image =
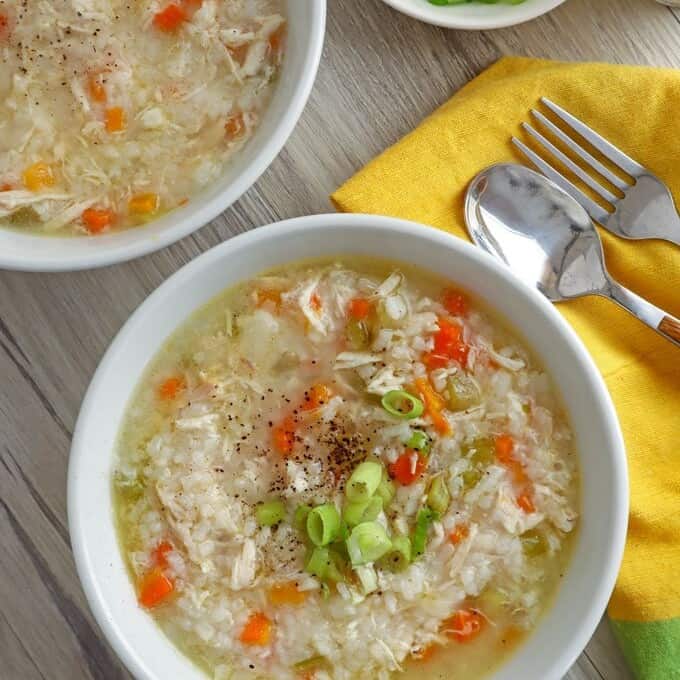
(270, 513)
(368, 542)
(419, 441)
(399, 557)
(300, 517)
(368, 579)
(401, 404)
(386, 491)
(318, 562)
(364, 481)
(323, 524)
(424, 519)
(438, 497)
(358, 512)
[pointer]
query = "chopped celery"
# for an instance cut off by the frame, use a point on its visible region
(463, 392)
(438, 497)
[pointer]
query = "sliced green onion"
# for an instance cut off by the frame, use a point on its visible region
(368, 579)
(364, 481)
(438, 497)
(386, 491)
(399, 557)
(325, 591)
(300, 517)
(396, 401)
(323, 524)
(268, 514)
(368, 542)
(318, 562)
(358, 512)
(424, 519)
(419, 441)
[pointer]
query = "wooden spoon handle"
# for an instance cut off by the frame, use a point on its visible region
(670, 327)
(662, 322)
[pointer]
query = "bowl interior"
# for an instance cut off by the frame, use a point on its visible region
(306, 25)
(475, 16)
(587, 584)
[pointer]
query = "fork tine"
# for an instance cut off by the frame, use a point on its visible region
(577, 149)
(578, 171)
(607, 149)
(594, 210)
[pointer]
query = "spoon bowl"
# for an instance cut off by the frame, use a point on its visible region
(548, 240)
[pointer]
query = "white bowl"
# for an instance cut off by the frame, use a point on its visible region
(306, 28)
(587, 585)
(474, 16)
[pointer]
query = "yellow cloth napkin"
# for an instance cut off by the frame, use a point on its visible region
(423, 178)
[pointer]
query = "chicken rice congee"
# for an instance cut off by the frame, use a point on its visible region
(345, 469)
(113, 113)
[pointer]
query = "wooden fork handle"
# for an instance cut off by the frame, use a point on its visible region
(670, 327)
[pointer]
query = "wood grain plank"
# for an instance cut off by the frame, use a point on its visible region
(381, 74)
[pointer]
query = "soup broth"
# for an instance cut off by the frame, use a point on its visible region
(345, 469)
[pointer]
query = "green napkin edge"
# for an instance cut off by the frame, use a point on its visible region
(652, 648)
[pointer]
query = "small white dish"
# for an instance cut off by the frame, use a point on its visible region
(306, 29)
(588, 582)
(474, 16)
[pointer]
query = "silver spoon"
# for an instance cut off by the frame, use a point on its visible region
(549, 241)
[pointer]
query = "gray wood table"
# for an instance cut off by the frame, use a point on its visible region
(381, 74)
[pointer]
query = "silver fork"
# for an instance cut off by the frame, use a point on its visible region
(646, 210)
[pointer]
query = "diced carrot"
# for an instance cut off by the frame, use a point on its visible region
(284, 436)
(115, 119)
(448, 342)
(97, 220)
(464, 625)
(96, 89)
(170, 18)
(316, 396)
(170, 388)
(408, 467)
(455, 302)
(524, 501)
(459, 533)
(38, 176)
(315, 302)
(154, 588)
(427, 653)
(235, 126)
(143, 204)
(6, 187)
(433, 361)
(276, 39)
(504, 445)
(434, 405)
(359, 308)
(257, 631)
(265, 295)
(160, 554)
(286, 593)
(4, 26)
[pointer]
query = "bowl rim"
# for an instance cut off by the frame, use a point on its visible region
(203, 212)
(444, 15)
(299, 227)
